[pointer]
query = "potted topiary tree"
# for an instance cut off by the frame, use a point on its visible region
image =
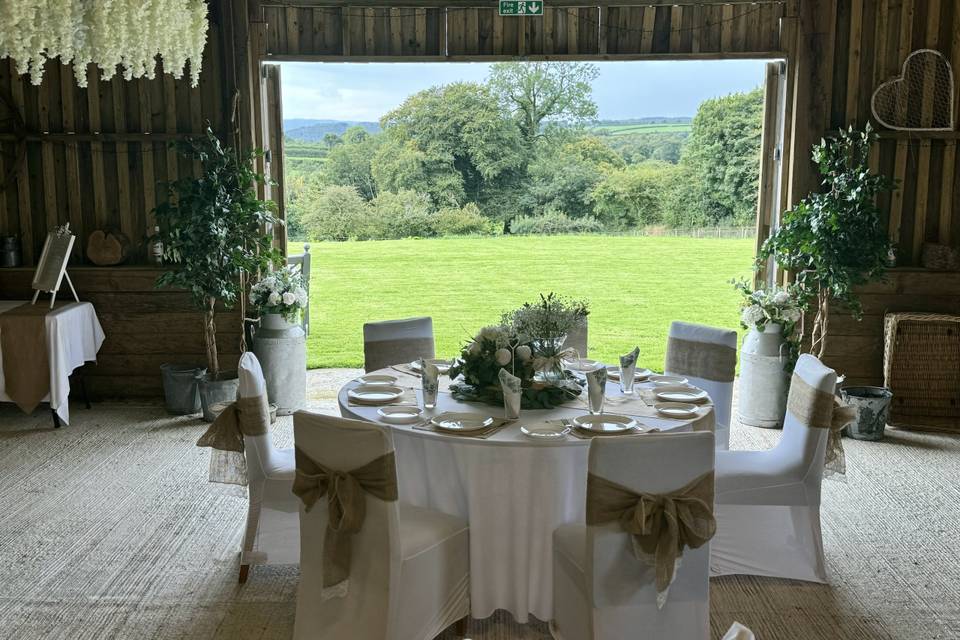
(215, 230)
(835, 240)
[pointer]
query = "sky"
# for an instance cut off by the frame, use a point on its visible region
(366, 91)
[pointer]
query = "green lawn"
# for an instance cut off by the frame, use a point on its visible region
(635, 286)
(623, 129)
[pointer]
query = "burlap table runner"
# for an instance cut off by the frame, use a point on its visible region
(346, 506)
(661, 526)
(26, 361)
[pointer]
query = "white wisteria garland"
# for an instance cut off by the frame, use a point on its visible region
(107, 33)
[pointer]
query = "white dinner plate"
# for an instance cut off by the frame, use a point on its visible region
(375, 393)
(581, 365)
(400, 415)
(679, 393)
(461, 422)
(659, 378)
(377, 379)
(676, 409)
(639, 375)
(605, 423)
(545, 432)
(442, 365)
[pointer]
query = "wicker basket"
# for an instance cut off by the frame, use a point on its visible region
(921, 365)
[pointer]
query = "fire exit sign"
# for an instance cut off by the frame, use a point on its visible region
(521, 8)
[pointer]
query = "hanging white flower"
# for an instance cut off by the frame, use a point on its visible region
(523, 353)
(288, 298)
(274, 298)
(503, 357)
(792, 315)
(108, 33)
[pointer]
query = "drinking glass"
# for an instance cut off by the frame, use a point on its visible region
(628, 365)
(596, 388)
(430, 380)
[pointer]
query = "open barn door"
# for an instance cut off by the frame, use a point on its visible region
(272, 110)
(770, 199)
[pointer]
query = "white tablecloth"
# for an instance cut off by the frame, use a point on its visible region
(74, 336)
(513, 491)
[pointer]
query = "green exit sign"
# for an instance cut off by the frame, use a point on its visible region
(521, 8)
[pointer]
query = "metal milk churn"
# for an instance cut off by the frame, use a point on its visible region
(281, 348)
(762, 395)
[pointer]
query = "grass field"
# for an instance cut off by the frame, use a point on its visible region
(623, 129)
(635, 286)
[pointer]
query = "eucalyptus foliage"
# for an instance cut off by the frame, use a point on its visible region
(835, 240)
(550, 317)
(214, 230)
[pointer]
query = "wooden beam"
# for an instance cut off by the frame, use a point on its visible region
(749, 55)
(474, 4)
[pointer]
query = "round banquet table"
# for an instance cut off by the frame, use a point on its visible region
(513, 491)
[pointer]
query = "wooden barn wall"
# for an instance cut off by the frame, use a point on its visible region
(97, 158)
(858, 44)
(456, 33)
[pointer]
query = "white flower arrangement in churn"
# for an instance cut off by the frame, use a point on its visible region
(281, 292)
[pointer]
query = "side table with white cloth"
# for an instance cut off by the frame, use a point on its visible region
(513, 490)
(73, 337)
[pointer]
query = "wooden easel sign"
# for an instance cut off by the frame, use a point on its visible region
(52, 268)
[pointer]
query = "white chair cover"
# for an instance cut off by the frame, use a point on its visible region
(738, 632)
(409, 570)
(600, 590)
(272, 534)
(721, 393)
(768, 502)
(396, 342)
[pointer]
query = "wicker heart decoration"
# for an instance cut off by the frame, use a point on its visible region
(921, 98)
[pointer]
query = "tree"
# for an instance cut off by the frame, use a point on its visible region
(722, 157)
(337, 212)
(331, 140)
(349, 163)
(633, 196)
(545, 92)
(836, 239)
(212, 229)
(455, 139)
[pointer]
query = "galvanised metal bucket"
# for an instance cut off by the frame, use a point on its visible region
(873, 410)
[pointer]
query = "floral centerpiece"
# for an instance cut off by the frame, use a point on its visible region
(779, 306)
(281, 293)
(544, 325)
(476, 372)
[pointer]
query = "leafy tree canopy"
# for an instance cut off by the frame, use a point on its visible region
(539, 93)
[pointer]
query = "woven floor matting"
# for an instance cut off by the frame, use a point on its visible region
(109, 530)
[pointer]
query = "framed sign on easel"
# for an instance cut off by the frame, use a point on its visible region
(52, 268)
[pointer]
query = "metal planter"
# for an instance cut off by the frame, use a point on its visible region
(873, 410)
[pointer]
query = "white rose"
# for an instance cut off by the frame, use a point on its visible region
(288, 298)
(253, 297)
(503, 357)
(301, 297)
(274, 298)
(793, 315)
(781, 298)
(752, 315)
(524, 353)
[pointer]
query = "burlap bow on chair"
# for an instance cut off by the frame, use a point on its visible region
(245, 417)
(661, 526)
(821, 410)
(347, 508)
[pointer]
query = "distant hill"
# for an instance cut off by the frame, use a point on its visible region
(307, 130)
